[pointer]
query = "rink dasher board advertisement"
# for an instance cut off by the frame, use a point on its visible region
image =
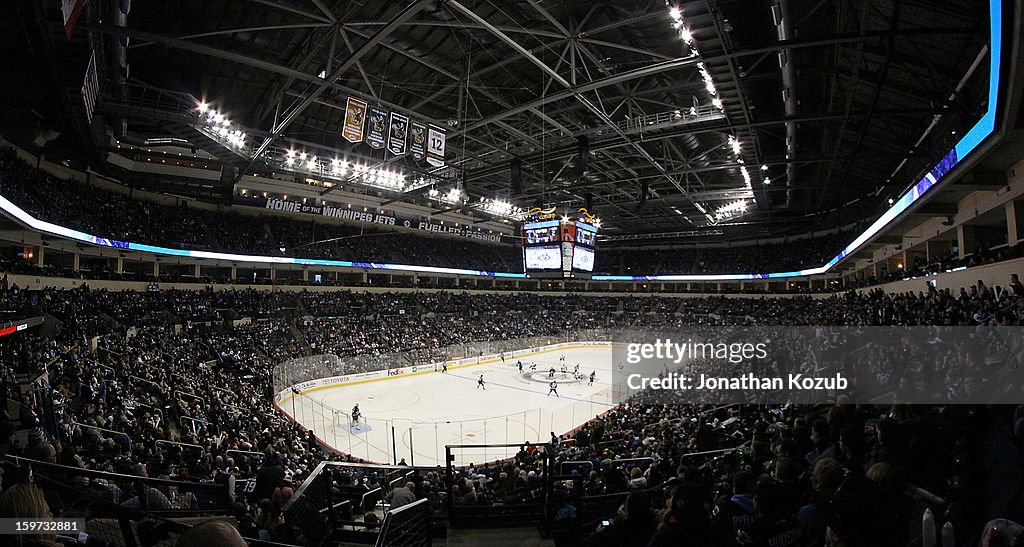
(402, 372)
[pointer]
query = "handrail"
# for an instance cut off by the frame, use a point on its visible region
(247, 453)
(710, 452)
(198, 420)
(190, 445)
(79, 424)
(193, 395)
(156, 410)
(106, 475)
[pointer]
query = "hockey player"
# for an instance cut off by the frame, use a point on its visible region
(480, 383)
(553, 388)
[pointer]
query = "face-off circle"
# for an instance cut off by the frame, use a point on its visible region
(544, 377)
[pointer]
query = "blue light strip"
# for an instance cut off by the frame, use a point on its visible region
(542, 224)
(981, 130)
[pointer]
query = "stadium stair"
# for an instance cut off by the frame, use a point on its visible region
(527, 536)
(306, 348)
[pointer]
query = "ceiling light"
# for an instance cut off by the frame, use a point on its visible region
(675, 13)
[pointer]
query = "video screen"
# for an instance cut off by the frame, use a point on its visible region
(583, 259)
(547, 234)
(545, 257)
(585, 237)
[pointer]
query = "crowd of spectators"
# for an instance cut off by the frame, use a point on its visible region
(787, 256)
(194, 367)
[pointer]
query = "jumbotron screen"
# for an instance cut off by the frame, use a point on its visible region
(586, 234)
(539, 233)
(543, 257)
(558, 248)
(582, 259)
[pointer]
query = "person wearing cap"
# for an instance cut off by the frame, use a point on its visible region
(39, 448)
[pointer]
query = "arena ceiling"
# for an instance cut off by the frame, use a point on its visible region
(834, 106)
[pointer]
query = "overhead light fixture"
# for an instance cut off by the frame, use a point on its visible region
(735, 144)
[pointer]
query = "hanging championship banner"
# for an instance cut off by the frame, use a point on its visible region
(435, 146)
(419, 140)
(355, 120)
(398, 133)
(375, 135)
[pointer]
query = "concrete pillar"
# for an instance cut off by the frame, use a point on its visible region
(234, 272)
(273, 273)
(40, 255)
(75, 261)
(1014, 221)
(156, 269)
(198, 271)
(305, 275)
(120, 265)
(965, 236)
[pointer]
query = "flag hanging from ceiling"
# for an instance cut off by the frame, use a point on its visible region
(418, 146)
(435, 146)
(398, 133)
(355, 119)
(375, 134)
(71, 9)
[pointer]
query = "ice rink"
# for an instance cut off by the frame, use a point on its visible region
(414, 416)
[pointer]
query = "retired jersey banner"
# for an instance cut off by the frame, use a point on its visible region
(375, 135)
(355, 120)
(71, 9)
(435, 146)
(419, 140)
(398, 133)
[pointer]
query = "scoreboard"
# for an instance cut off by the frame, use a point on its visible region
(559, 248)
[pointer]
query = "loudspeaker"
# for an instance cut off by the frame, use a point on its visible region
(588, 201)
(582, 154)
(515, 170)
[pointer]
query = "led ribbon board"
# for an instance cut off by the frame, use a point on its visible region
(970, 141)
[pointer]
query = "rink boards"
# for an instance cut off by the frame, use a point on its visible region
(414, 412)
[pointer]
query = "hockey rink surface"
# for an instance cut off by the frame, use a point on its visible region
(415, 416)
